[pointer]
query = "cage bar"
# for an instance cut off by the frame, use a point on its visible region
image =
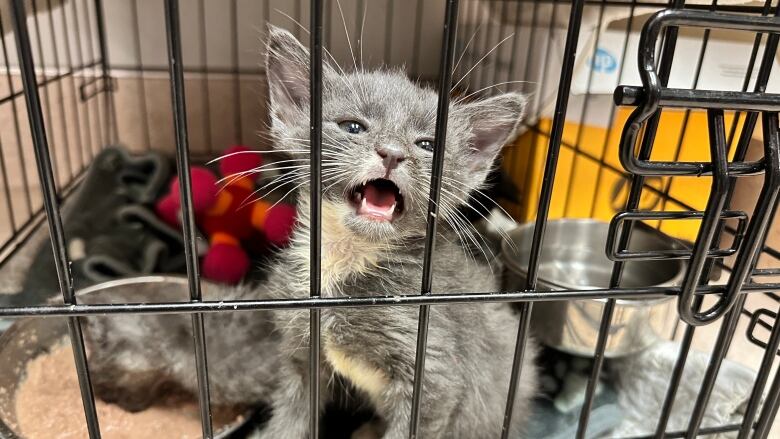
(740, 153)
(143, 108)
(705, 238)
(546, 65)
(686, 118)
(108, 98)
(688, 336)
(388, 49)
(486, 44)
(766, 272)
(756, 235)
(62, 172)
(51, 206)
(376, 300)
(623, 254)
(632, 203)
(315, 233)
(583, 115)
(298, 15)
(756, 320)
(440, 138)
(17, 134)
(61, 101)
(7, 193)
(173, 36)
(763, 375)
(360, 21)
(500, 34)
(685, 98)
(75, 107)
(550, 166)
(84, 62)
(512, 70)
(94, 65)
(612, 111)
(99, 119)
(769, 411)
(657, 95)
(234, 55)
(204, 83)
(739, 156)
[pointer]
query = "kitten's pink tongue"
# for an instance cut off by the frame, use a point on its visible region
(377, 202)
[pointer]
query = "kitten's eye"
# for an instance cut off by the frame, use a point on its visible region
(352, 127)
(426, 144)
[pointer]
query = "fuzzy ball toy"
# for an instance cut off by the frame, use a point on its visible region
(204, 192)
(225, 212)
(226, 261)
(237, 160)
(276, 221)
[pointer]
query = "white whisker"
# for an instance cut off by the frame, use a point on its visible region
(461, 99)
(224, 156)
(346, 32)
(479, 61)
(466, 48)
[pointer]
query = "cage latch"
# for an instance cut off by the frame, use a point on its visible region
(757, 320)
(650, 98)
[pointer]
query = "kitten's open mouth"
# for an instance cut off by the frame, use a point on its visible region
(378, 200)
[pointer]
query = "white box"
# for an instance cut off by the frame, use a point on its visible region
(538, 56)
(724, 65)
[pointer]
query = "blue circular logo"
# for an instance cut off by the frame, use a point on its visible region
(603, 61)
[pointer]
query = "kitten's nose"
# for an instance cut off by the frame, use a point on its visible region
(391, 156)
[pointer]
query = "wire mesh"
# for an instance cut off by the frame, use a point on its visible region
(486, 47)
(67, 61)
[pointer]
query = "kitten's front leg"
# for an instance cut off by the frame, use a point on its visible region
(396, 409)
(126, 367)
(290, 404)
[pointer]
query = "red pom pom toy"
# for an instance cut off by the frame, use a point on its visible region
(204, 193)
(229, 218)
(225, 263)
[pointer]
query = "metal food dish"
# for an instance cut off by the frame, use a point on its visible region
(29, 337)
(573, 257)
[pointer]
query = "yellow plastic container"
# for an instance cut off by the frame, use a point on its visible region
(591, 183)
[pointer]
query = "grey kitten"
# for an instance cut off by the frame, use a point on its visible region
(136, 360)
(378, 130)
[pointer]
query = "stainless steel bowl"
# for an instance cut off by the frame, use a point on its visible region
(573, 257)
(29, 337)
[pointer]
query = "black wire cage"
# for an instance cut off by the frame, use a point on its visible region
(75, 84)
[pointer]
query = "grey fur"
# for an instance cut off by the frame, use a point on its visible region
(470, 346)
(134, 359)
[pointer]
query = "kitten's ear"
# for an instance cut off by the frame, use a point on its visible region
(494, 122)
(287, 69)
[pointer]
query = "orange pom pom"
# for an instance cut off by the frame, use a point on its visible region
(259, 213)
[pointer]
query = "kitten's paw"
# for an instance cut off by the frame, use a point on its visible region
(125, 368)
(369, 430)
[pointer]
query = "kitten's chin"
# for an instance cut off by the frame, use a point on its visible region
(340, 220)
(370, 228)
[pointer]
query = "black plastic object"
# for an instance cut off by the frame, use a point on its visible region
(110, 228)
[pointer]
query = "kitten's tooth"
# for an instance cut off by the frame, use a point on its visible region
(363, 204)
(391, 210)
